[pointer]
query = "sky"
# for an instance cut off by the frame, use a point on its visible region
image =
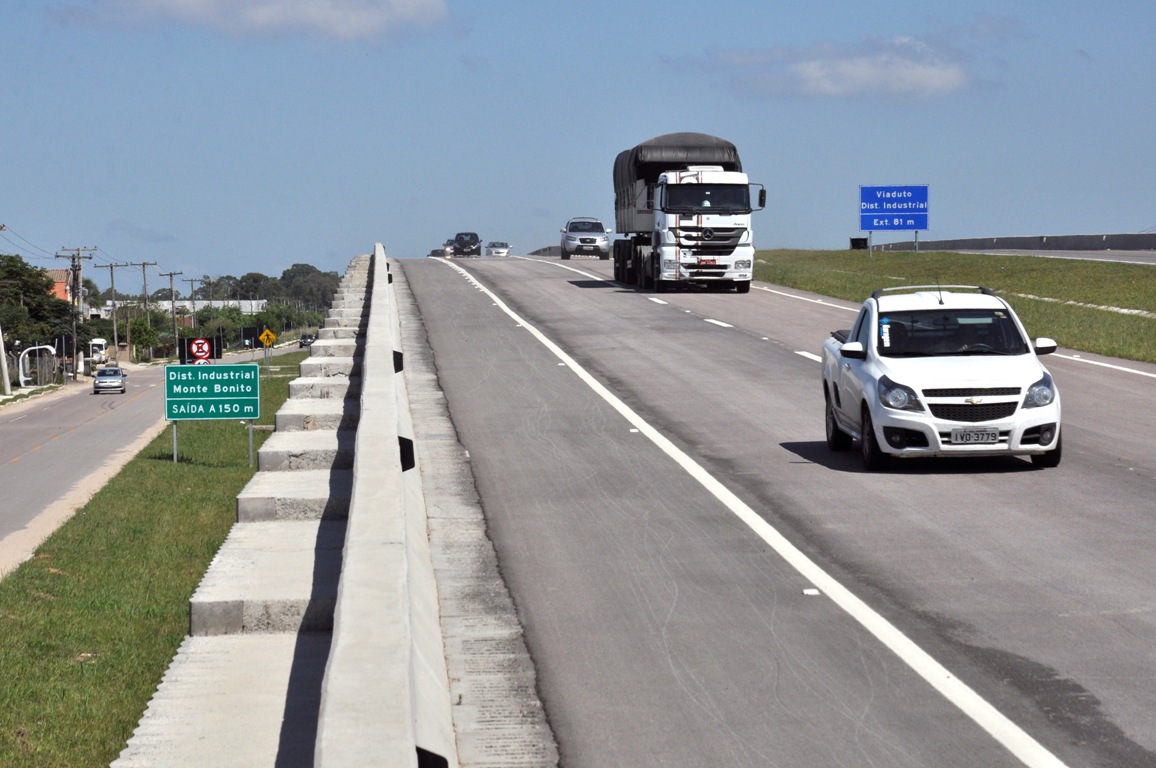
(222, 137)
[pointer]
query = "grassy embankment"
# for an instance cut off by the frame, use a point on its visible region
(1074, 302)
(91, 622)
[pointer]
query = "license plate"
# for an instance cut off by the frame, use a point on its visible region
(974, 435)
(706, 262)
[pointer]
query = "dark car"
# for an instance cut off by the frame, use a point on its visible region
(467, 244)
(306, 340)
(109, 379)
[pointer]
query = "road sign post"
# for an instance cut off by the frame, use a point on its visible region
(890, 208)
(195, 392)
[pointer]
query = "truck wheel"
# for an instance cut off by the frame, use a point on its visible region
(873, 458)
(837, 439)
(743, 287)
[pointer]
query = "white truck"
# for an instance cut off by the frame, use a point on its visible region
(683, 204)
(939, 371)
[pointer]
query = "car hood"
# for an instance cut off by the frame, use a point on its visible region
(962, 371)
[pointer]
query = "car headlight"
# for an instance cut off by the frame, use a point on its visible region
(743, 264)
(1042, 393)
(897, 396)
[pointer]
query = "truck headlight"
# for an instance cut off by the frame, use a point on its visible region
(743, 264)
(1042, 393)
(897, 396)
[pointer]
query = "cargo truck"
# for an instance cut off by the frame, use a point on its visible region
(683, 206)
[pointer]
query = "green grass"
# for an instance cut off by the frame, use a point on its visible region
(1036, 287)
(90, 623)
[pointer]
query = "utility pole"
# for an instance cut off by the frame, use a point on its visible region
(173, 299)
(112, 279)
(145, 266)
(193, 295)
(76, 255)
(5, 385)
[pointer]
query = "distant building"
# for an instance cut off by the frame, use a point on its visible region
(61, 283)
(186, 306)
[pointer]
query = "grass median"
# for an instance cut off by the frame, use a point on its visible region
(89, 624)
(1102, 307)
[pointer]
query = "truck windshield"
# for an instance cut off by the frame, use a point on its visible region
(707, 198)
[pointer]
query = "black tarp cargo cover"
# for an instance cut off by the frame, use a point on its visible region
(670, 151)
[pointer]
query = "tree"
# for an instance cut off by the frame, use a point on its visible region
(310, 286)
(29, 313)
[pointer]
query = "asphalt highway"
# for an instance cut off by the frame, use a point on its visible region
(701, 582)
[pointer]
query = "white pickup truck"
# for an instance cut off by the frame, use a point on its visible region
(939, 371)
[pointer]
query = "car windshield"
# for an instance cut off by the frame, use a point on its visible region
(469, 237)
(718, 198)
(928, 333)
(587, 226)
(108, 372)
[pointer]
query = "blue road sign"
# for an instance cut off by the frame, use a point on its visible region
(883, 208)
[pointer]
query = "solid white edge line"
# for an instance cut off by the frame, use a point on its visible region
(990, 719)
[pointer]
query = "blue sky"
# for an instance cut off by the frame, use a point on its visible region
(232, 136)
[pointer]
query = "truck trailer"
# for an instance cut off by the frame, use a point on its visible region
(683, 207)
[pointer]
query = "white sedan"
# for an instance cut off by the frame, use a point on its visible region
(497, 248)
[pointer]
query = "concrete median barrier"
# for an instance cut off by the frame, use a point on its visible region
(314, 636)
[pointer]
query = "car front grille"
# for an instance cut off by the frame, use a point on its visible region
(972, 392)
(973, 413)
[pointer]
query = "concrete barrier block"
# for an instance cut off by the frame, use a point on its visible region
(312, 413)
(350, 346)
(325, 367)
(325, 387)
(271, 577)
(311, 494)
(316, 449)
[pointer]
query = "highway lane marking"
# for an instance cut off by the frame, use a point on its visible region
(809, 355)
(855, 309)
(983, 713)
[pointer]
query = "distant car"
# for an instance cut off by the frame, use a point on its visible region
(306, 340)
(585, 235)
(497, 248)
(109, 379)
(448, 248)
(467, 244)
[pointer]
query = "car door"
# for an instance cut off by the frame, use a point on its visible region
(852, 372)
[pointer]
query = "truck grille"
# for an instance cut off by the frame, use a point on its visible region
(709, 241)
(973, 413)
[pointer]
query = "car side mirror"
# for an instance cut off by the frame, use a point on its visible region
(853, 350)
(1045, 346)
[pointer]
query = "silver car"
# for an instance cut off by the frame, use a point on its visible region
(497, 248)
(585, 235)
(111, 378)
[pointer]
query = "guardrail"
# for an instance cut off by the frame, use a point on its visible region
(385, 696)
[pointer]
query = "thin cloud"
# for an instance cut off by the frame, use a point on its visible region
(338, 19)
(902, 67)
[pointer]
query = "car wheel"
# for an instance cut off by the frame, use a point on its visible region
(873, 458)
(837, 439)
(565, 256)
(1051, 458)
